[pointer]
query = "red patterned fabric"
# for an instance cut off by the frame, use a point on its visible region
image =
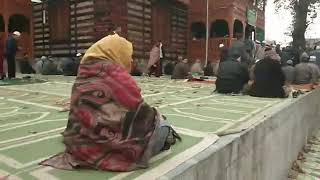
(109, 126)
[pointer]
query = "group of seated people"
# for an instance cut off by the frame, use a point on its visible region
(183, 70)
(266, 77)
(110, 126)
(65, 66)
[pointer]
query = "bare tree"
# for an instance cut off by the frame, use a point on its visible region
(303, 11)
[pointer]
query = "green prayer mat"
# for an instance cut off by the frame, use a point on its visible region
(20, 81)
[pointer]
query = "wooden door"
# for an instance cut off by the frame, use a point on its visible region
(161, 24)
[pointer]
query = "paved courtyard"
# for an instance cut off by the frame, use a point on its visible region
(32, 117)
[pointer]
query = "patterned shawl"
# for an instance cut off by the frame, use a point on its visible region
(109, 126)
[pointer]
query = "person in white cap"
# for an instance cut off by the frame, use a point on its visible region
(11, 51)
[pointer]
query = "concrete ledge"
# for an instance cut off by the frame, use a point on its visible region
(263, 152)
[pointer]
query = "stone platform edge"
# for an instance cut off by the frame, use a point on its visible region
(265, 151)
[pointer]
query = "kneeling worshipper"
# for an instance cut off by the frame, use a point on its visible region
(110, 127)
(269, 79)
(25, 65)
(304, 72)
(196, 68)
(232, 75)
(181, 70)
(70, 66)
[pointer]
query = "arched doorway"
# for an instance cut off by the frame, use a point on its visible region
(198, 30)
(237, 29)
(219, 29)
(19, 23)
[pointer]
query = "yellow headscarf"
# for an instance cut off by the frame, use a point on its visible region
(111, 48)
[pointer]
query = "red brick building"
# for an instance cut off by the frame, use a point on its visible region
(226, 19)
(65, 27)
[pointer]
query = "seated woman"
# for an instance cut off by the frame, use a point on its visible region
(110, 127)
(269, 79)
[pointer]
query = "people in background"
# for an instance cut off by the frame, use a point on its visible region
(169, 67)
(315, 67)
(181, 70)
(269, 79)
(135, 70)
(154, 66)
(260, 51)
(239, 47)
(289, 72)
(304, 73)
(110, 126)
(232, 75)
(278, 50)
(25, 66)
(196, 68)
(70, 66)
(162, 56)
(223, 53)
(11, 51)
(209, 69)
(2, 74)
(49, 66)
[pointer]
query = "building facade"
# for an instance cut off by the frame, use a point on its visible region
(67, 27)
(227, 20)
(63, 28)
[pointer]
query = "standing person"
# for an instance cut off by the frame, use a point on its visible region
(154, 66)
(11, 51)
(2, 74)
(162, 56)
